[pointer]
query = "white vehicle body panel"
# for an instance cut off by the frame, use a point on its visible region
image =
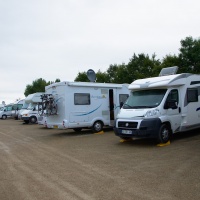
(103, 98)
(183, 118)
(32, 110)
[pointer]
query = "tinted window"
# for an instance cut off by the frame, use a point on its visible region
(82, 99)
(192, 95)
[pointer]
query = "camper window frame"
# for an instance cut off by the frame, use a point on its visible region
(79, 96)
(194, 97)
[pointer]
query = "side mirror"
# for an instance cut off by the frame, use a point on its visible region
(121, 104)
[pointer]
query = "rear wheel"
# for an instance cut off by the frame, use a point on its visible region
(164, 133)
(97, 126)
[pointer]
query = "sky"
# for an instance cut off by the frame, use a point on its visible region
(53, 39)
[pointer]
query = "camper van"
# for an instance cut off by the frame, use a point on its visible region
(160, 106)
(6, 111)
(24, 107)
(31, 113)
(16, 108)
(78, 105)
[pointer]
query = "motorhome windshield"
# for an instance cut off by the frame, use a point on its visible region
(25, 106)
(30, 106)
(145, 98)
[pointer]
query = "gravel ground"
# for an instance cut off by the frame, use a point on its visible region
(39, 163)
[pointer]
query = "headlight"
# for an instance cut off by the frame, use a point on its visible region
(151, 113)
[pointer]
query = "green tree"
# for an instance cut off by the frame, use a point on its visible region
(102, 77)
(81, 77)
(142, 66)
(117, 73)
(37, 85)
(169, 61)
(190, 55)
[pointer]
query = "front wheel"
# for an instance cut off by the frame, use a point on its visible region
(33, 119)
(164, 133)
(4, 116)
(26, 121)
(97, 126)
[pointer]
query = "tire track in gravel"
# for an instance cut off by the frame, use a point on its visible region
(86, 173)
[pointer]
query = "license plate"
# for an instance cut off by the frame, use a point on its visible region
(126, 131)
(55, 126)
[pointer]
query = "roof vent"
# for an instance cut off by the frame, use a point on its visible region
(168, 71)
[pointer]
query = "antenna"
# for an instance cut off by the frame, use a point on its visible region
(91, 75)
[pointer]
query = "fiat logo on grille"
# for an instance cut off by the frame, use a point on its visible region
(126, 124)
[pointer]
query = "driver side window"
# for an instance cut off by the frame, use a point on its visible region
(173, 95)
(172, 99)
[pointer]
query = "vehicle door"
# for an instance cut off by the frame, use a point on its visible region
(173, 109)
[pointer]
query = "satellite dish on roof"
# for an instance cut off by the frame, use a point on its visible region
(91, 75)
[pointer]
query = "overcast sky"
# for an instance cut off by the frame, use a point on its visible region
(52, 39)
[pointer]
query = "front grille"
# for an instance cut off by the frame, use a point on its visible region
(127, 124)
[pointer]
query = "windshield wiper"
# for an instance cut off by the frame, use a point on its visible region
(128, 106)
(135, 107)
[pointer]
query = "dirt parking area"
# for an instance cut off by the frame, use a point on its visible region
(39, 163)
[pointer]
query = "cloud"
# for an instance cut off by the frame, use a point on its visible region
(57, 39)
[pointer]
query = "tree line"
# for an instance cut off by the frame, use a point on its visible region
(139, 66)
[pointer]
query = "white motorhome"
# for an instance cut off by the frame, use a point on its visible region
(17, 107)
(77, 105)
(24, 107)
(31, 113)
(160, 106)
(6, 111)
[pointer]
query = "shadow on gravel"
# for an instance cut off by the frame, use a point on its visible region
(138, 142)
(72, 133)
(188, 136)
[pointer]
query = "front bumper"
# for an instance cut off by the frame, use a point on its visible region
(147, 128)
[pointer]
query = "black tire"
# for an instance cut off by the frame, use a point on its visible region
(97, 127)
(125, 138)
(77, 129)
(4, 116)
(33, 120)
(164, 133)
(26, 121)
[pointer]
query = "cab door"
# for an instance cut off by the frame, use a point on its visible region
(173, 109)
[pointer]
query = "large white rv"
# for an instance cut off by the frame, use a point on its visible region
(31, 113)
(77, 105)
(160, 106)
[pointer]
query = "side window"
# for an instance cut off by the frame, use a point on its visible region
(173, 96)
(122, 99)
(172, 100)
(192, 95)
(9, 108)
(82, 99)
